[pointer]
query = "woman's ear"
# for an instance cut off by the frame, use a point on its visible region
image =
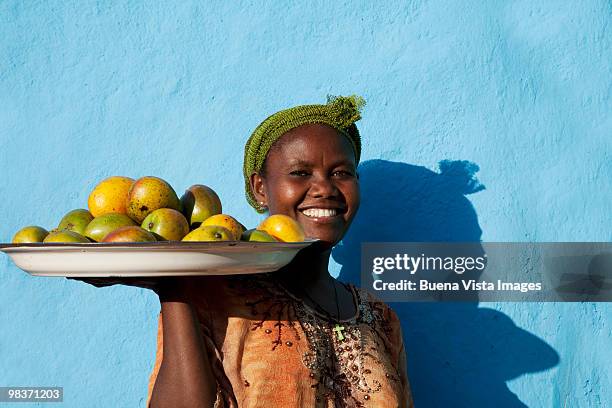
(258, 189)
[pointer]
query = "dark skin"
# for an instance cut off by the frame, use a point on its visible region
(310, 167)
(185, 377)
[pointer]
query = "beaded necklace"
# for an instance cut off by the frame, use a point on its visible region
(337, 328)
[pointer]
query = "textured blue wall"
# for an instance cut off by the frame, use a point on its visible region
(521, 89)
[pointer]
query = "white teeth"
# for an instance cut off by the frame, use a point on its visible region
(319, 212)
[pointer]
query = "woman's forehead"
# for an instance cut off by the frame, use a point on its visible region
(312, 141)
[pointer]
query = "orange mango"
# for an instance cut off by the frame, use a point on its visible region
(109, 196)
(226, 221)
(283, 228)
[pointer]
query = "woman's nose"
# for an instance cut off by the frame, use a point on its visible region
(322, 186)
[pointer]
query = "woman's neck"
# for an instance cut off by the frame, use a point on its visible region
(308, 278)
(308, 270)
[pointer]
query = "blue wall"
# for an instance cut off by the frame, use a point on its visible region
(521, 90)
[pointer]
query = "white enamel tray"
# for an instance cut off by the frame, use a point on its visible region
(152, 258)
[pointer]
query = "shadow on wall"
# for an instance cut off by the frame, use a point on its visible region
(459, 355)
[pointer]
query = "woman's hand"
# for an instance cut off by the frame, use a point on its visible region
(154, 284)
(168, 288)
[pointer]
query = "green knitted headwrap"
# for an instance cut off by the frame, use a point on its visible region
(340, 112)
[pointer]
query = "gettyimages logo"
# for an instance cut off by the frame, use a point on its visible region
(414, 264)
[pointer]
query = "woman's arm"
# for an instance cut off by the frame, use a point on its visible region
(185, 377)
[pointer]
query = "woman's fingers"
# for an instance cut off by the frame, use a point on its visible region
(168, 287)
(149, 283)
(97, 282)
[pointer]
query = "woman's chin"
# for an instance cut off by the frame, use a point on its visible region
(323, 242)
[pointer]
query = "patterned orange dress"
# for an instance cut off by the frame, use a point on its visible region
(269, 349)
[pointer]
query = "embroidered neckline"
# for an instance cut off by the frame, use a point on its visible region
(340, 370)
(354, 295)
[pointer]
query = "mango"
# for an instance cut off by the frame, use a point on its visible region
(209, 233)
(166, 224)
(65, 236)
(76, 220)
(148, 194)
(254, 235)
(31, 234)
(130, 234)
(109, 196)
(227, 221)
(283, 228)
(103, 225)
(198, 203)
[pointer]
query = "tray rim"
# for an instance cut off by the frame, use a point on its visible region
(34, 258)
(158, 245)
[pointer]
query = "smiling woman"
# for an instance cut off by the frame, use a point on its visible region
(311, 176)
(295, 337)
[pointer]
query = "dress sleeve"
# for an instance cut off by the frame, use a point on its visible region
(401, 363)
(406, 391)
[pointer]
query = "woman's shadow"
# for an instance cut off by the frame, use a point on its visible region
(459, 354)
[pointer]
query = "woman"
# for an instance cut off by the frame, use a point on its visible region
(296, 337)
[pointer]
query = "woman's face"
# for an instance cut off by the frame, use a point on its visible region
(310, 175)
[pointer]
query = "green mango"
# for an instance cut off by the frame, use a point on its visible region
(255, 235)
(76, 220)
(30, 235)
(103, 225)
(166, 224)
(199, 203)
(65, 237)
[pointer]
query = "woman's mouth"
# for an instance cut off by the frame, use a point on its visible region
(323, 215)
(320, 212)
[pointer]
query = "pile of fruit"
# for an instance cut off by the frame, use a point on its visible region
(148, 209)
